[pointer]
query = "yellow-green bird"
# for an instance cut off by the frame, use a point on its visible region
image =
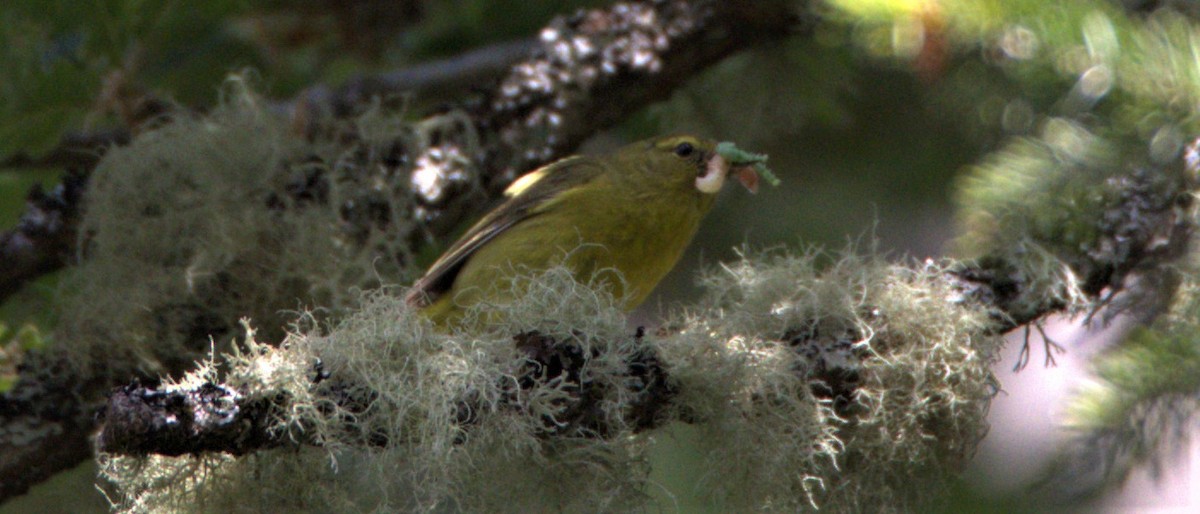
(633, 212)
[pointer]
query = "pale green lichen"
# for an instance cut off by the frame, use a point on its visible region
(752, 367)
(775, 326)
(419, 378)
(202, 221)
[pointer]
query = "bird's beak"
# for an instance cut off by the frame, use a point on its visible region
(714, 175)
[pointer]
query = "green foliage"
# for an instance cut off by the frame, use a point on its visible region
(1056, 207)
(13, 346)
(1149, 366)
(57, 54)
(1140, 408)
(1094, 48)
(1051, 191)
(45, 88)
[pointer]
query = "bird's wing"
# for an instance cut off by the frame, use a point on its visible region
(529, 195)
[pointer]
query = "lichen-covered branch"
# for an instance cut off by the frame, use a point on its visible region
(1153, 230)
(615, 61)
(1131, 217)
(834, 354)
(855, 385)
(592, 68)
(814, 392)
(210, 417)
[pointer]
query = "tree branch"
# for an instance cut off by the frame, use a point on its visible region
(44, 426)
(210, 418)
(1145, 231)
(215, 418)
(474, 68)
(1153, 230)
(44, 239)
(79, 151)
(635, 54)
(470, 70)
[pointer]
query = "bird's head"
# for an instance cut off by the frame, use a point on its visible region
(686, 162)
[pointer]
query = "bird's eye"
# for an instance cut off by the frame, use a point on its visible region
(684, 149)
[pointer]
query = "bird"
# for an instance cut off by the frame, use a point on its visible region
(622, 220)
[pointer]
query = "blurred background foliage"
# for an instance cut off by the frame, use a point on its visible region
(871, 119)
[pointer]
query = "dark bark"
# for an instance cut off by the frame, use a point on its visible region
(214, 418)
(44, 427)
(210, 418)
(44, 239)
